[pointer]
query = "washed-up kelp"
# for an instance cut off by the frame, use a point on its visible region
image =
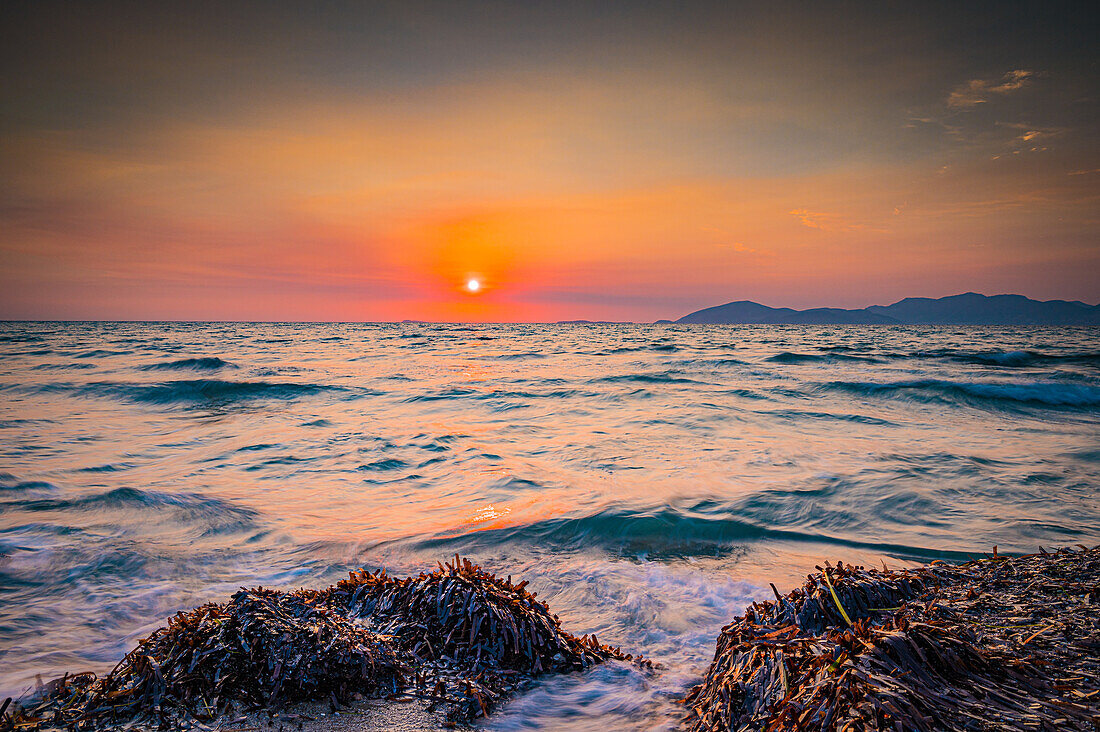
(992, 644)
(458, 637)
(261, 649)
(464, 629)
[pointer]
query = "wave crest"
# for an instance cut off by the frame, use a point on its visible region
(1038, 392)
(203, 391)
(205, 363)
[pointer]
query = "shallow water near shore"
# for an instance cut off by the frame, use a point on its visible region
(648, 480)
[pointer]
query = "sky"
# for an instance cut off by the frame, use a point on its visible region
(615, 160)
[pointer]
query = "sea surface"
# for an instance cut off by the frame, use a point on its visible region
(648, 480)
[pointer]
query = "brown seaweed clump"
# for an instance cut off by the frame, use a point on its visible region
(263, 648)
(457, 637)
(466, 630)
(466, 615)
(993, 644)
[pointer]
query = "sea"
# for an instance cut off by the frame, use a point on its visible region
(649, 481)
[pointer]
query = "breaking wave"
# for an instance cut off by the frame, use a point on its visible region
(206, 363)
(1025, 358)
(992, 393)
(795, 358)
(202, 391)
(669, 532)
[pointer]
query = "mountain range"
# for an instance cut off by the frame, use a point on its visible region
(967, 309)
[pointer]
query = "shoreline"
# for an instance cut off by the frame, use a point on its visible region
(853, 648)
(459, 638)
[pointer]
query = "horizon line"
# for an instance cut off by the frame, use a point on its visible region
(567, 321)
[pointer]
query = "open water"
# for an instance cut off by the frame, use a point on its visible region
(648, 480)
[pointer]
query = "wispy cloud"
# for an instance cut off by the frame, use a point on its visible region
(817, 219)
(1028, 137)
(1032, 133)
(979, 91)
(826, 221)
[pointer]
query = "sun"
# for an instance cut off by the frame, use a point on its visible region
(473, 285)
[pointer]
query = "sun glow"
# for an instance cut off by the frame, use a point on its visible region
(473, 285)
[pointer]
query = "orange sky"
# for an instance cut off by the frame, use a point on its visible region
(662, 168)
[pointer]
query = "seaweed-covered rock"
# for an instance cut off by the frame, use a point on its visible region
(266, 647)
(471, 617)
(468, 631)
(261, 649)
(991, 644)
(457, 637)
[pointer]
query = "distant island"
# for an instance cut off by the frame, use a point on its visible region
(967, 309)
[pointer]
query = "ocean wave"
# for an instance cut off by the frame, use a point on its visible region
(743, 393)
(102, 353)
(9, 423)
(519, 397)
(37, 352)
(202, 391)
(796, 415)
(137, 498)
(205, 363)
(384, 464)
(706, 364)
(210, 515)
(1025, 358)
(9, 484)
(659, 378)
(517, 356)
(106, 468)
(440, 395)
(1007, 358)
(795, 358)
(62, 366)
(664, 532)
(1039, 392)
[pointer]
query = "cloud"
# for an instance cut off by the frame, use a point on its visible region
(1032, 133)
(823, 220)
(978, 91)
(1028, 138)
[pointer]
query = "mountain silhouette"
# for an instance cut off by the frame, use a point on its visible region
(967, 309)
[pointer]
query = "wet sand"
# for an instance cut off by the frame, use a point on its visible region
(371, 715)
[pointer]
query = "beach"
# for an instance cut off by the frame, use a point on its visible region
(994, 643)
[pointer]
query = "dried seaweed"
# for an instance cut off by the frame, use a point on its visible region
(468, 631)
(458, 637)
(991, 644)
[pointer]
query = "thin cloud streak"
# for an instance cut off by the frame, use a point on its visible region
(979, 91)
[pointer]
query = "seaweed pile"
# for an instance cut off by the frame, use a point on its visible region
(457, 637)
(997, 643)
(463, 628)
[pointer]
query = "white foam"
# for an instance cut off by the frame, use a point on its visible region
(672, 612)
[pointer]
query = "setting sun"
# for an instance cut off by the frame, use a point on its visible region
(472, 285)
